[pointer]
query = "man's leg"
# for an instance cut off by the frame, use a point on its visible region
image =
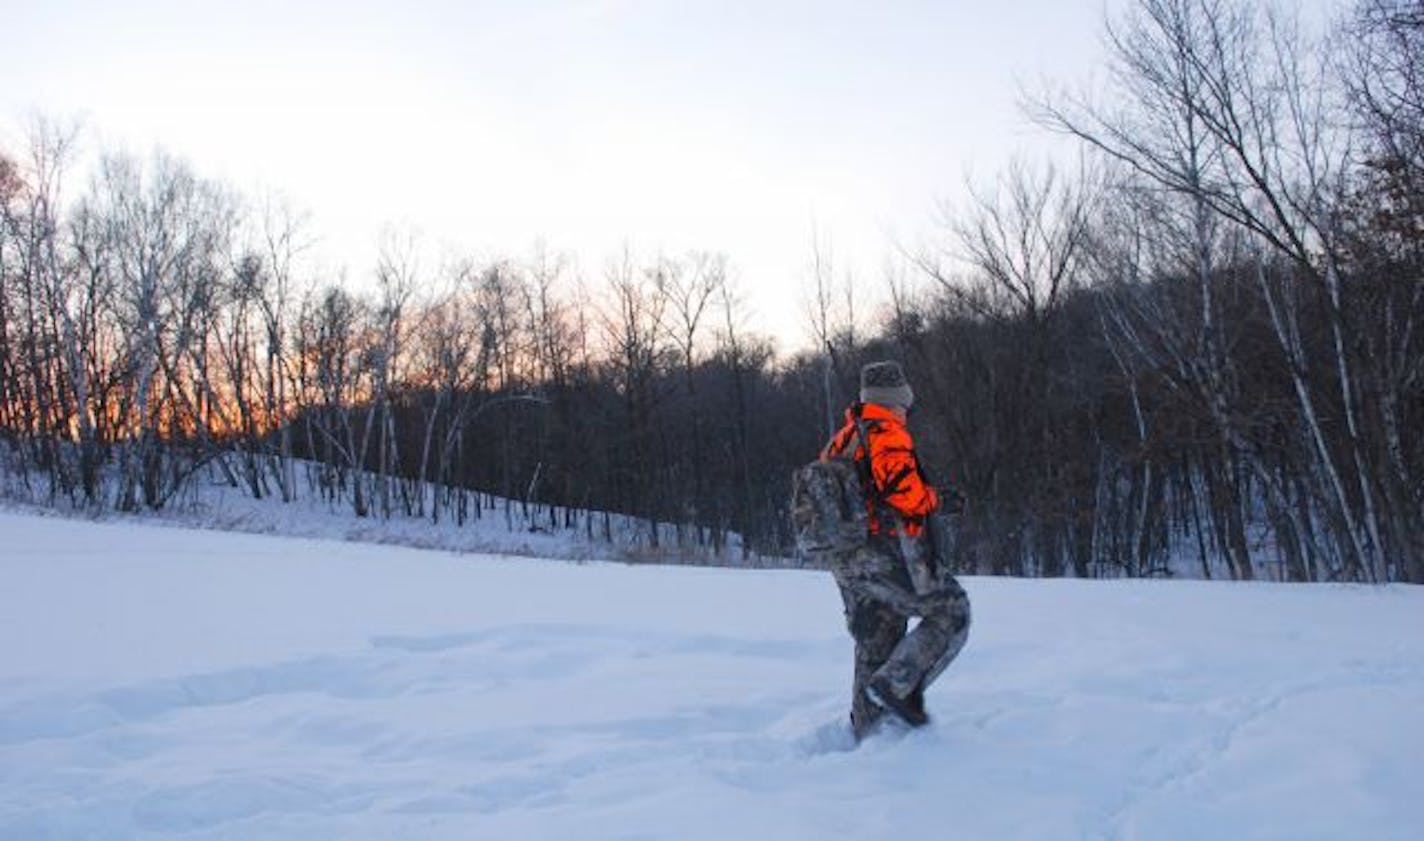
(876, 629)
(877, 575)
(924, 653)
(879, 630)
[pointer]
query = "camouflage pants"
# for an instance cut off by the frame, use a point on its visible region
(880, 597)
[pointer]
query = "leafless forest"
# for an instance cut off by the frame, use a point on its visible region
(1200, 350)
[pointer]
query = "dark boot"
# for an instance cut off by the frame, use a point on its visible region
(910, 709)
(915, 702)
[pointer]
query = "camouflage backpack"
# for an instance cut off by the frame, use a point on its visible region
(828, 513)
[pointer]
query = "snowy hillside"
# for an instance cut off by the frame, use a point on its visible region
(165, 683)
(492, 524)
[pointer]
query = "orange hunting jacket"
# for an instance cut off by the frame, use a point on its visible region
(893, 466)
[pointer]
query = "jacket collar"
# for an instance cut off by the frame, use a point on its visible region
(872, 412)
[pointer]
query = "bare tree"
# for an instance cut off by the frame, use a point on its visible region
(1027, 237)
(170, 234)
(1381, 61)
(635, 330)
(330, 337)
(52, 392)
(397, 277)
(1218, 102)
(284, 238)
(1023, 247)
(451, 366)
(691, 288)
(741, 357)
(831, 313)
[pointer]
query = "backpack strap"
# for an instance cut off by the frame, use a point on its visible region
(883, 509)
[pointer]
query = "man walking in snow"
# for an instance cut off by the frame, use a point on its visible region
(895, 576)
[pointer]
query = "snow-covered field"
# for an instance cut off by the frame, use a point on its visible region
(169, 683)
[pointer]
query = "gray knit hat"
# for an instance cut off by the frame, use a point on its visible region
(884, 383)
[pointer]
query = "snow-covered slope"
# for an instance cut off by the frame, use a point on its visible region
(180, 684)
(493, 525)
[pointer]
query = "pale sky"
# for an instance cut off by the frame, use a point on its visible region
(489, 126)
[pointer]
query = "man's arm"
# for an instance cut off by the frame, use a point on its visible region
(897, 473)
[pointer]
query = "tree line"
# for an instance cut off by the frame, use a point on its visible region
(1206, 343)
(1198, 351)
(160, 325)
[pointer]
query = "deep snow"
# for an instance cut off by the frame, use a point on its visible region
(170, 683)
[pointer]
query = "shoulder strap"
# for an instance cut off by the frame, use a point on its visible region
(867, 478)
